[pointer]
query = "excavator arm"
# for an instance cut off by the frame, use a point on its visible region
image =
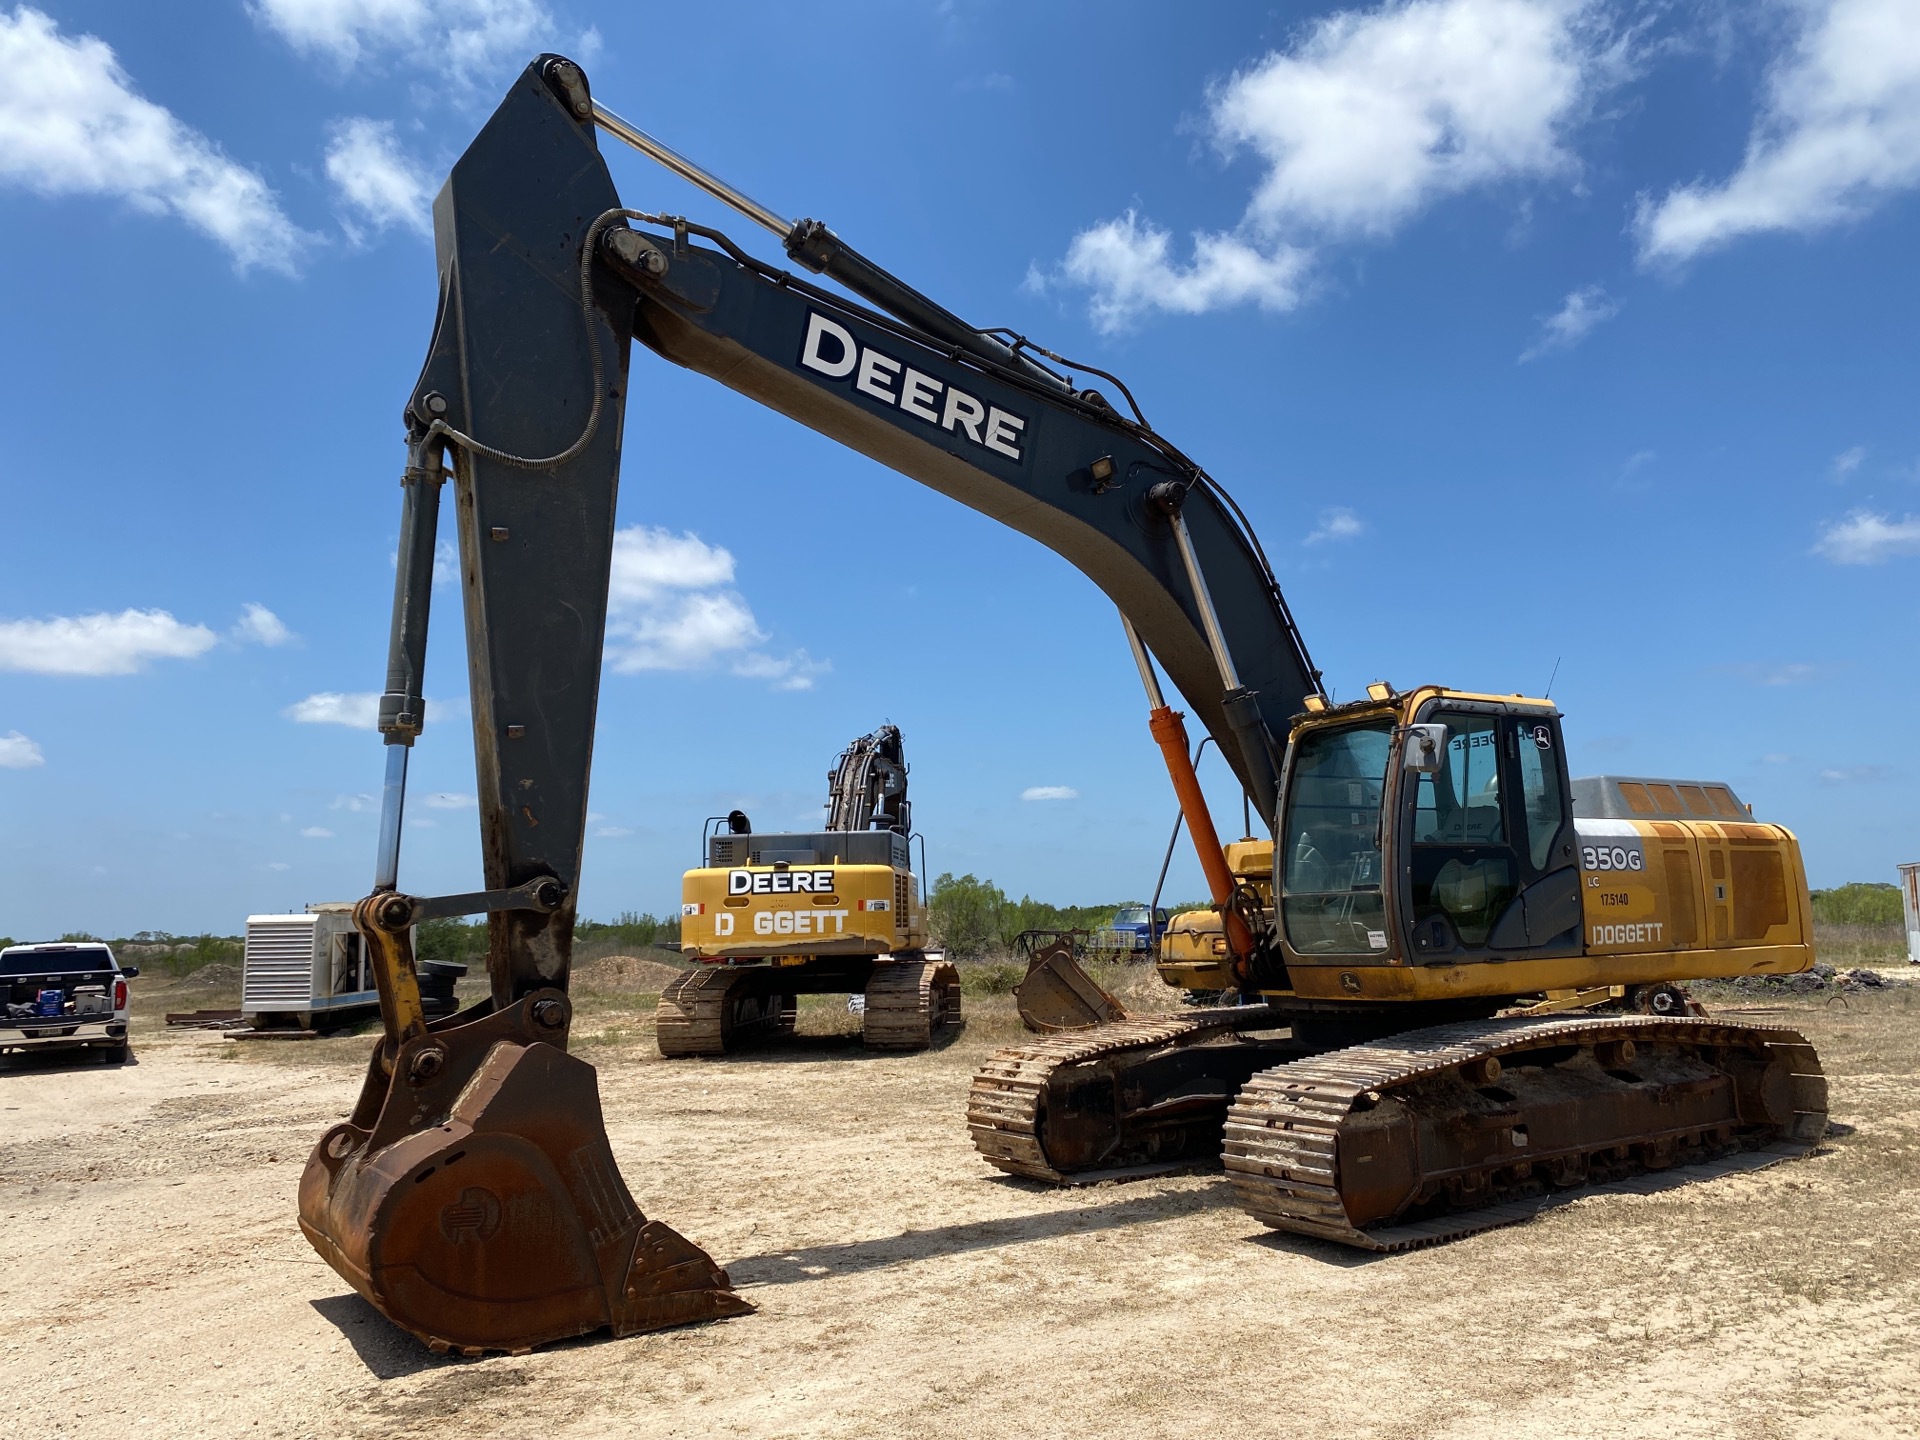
(472, 1195)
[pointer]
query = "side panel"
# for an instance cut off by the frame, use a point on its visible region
(816, 910)
(1665, 885)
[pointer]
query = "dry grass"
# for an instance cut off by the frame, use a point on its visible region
(1844, 946)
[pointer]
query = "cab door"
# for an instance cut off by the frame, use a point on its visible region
(1486, 842)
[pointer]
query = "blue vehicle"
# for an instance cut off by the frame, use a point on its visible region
(1135, 932)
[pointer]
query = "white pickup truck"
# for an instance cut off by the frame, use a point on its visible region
(64, 996)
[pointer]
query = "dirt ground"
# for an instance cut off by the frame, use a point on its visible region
(158, 1285)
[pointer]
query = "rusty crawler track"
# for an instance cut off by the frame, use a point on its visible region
(700, 1013)
(908, 1002)
(1005, 1105)
(1290, 1128)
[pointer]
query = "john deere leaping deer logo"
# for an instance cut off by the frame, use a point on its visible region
(475, 1215)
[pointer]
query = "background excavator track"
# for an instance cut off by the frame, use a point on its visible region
(717, 1009)
(1295, 1136)
(909, 1002)
(1006, 1104)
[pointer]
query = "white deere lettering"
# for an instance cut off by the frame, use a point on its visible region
(876, 374)
(822, 332)
(1003, 432)
(830, 349)
(917, 392)
(779, 882)
(964, 411)
(723, 923)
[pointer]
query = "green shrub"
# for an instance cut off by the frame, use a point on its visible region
(188, 956)
(970, 917)
(630, 931)
(452, 941)
(1861, 903)
(963, 915)
(995, 978)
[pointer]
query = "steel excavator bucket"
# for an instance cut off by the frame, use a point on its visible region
(472, 1196)
(1058, 995)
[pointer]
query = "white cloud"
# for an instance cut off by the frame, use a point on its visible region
(1373, 115)
(1864, 538)
(99, 644)
(1585, 310)
(611, 832)
(649, 562)
(668, 609)
(1338, 523)
(797, 671)
(681, 632)
(1776, 757)
(470, 40)
(71, 123)
(261, 626)
(352, 804)
(378, 182)
(317, 832)
(447, 800)
(1127, 264)
(1367, 118)
(17, 752)
(1838, 132)
(1856, 775)
(1846, 462)
(277, 865)
(330, 707)
(1049, 792)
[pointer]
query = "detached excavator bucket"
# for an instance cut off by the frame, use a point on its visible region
(472, 1197)
(1058, 995)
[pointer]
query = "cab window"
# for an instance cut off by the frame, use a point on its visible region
(1461, 805)
(1330, 878)
(1539, 792)
(1463, 868)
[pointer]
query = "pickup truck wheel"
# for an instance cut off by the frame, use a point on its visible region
(114, 1054)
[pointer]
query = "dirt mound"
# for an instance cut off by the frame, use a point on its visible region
(213, 977)
(628, 972)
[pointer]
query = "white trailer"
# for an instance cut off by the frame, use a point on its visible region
(306, 970)
(1910, 901)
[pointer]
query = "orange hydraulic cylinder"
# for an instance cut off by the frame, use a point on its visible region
(1170, 733)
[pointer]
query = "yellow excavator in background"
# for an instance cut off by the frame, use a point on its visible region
(772, 916)
(1437, 876)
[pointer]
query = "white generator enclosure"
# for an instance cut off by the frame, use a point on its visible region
(308, 970)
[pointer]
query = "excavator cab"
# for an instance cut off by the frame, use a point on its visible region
(1431, 826)
(1432, 847)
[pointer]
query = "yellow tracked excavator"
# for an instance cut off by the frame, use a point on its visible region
(773, 915)
(1421, 1047)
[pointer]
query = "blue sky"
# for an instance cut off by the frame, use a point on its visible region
(1528, 332)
